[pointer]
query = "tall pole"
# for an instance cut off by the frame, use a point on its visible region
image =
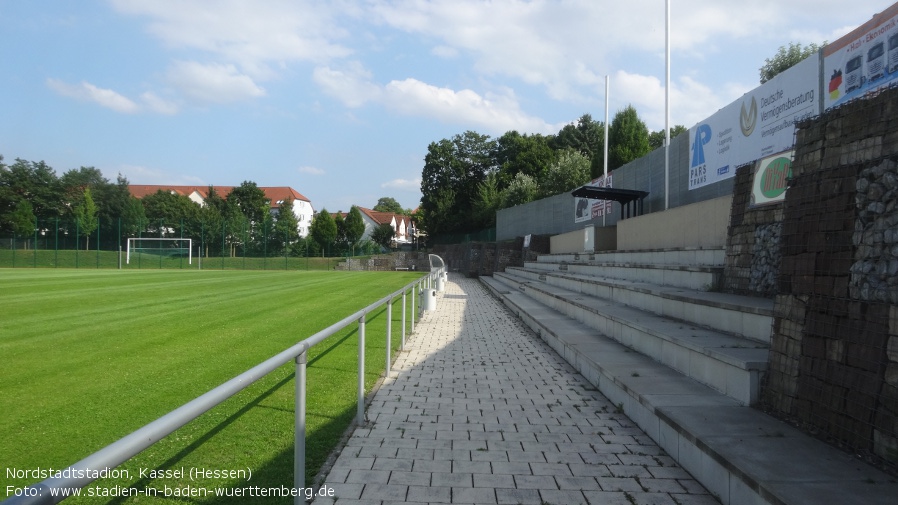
(667, 108)
(605, 157)
(607, 91)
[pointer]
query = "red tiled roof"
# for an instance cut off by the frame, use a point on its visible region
(383, 217)
(274, 193)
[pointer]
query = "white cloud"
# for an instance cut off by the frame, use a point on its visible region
(351, 86)
(158, 105)
(690, 100)
(403, 184)
(89, 93)
(212, 82)
(496, 113)
(310, 170)
(445, 52)
(253, 35)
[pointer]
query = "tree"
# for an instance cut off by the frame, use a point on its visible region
(388, 204)
(570, 171)
(340, 239)
(588, 138)
(355, 227)
(452, 171)
(628, 138)
(254, 205)
(286, 228)
(86, 217)
(523, 189)
(32, 181)
(251, 201)
(167, 212)
(786, 58)
(656, 139)
(323, 229)
(383, 235)
(133, 217)
(489, 200)
(22, 219)
(212, 221)
(522, 154)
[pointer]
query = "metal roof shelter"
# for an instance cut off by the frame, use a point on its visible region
(630, 200)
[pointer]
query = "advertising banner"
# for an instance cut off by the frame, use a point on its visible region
(863, 61)
(771, 178)
(759, 124)
(586, 209)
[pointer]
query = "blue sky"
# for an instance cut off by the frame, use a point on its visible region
(340, 99)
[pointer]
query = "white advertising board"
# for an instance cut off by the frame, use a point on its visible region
(863, 61)
(759, 124)
(586, 209)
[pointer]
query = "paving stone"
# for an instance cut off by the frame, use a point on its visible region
(518, 496)
(494, 480)
(577, 483)
(367, 476)
(453, 479)
(392, 464)
(562, 497)
(386, 492)
(430, 494)
(550, 469)
(535, 482)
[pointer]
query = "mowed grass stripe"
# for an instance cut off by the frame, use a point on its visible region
(91, 357)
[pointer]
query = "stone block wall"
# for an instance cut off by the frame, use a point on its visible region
(412, 260)
(474, 259)
(834, 351)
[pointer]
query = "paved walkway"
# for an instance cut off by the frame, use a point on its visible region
(479, 410)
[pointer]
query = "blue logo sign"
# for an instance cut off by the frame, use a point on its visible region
(722, 170)
(702, 137)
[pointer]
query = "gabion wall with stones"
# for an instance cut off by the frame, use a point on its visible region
(834, 351)
(752, 252)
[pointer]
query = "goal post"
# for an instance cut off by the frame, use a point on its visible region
(170, 247)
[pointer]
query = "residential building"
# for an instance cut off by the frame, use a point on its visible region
(403, 226)
(302, 206)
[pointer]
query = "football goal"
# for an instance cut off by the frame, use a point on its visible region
(169, 247)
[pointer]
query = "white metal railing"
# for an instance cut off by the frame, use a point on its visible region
(80, 474)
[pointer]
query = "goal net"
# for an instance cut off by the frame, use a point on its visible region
(168, 247)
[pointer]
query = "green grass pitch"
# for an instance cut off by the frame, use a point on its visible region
(89, 356)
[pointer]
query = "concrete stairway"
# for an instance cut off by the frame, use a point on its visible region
(685, 362)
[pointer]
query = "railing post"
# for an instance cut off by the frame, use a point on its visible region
(414, 289)
(299, 446)
(402, 345)
(389, 335)
(360, 410)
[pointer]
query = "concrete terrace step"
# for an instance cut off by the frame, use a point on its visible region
(740, 454)
(701, 277)
(744, 316)
(727, 363)
(683, 256)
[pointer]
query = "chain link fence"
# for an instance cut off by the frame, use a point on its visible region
(69, 243)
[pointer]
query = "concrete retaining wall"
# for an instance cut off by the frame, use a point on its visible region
(699, 225)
